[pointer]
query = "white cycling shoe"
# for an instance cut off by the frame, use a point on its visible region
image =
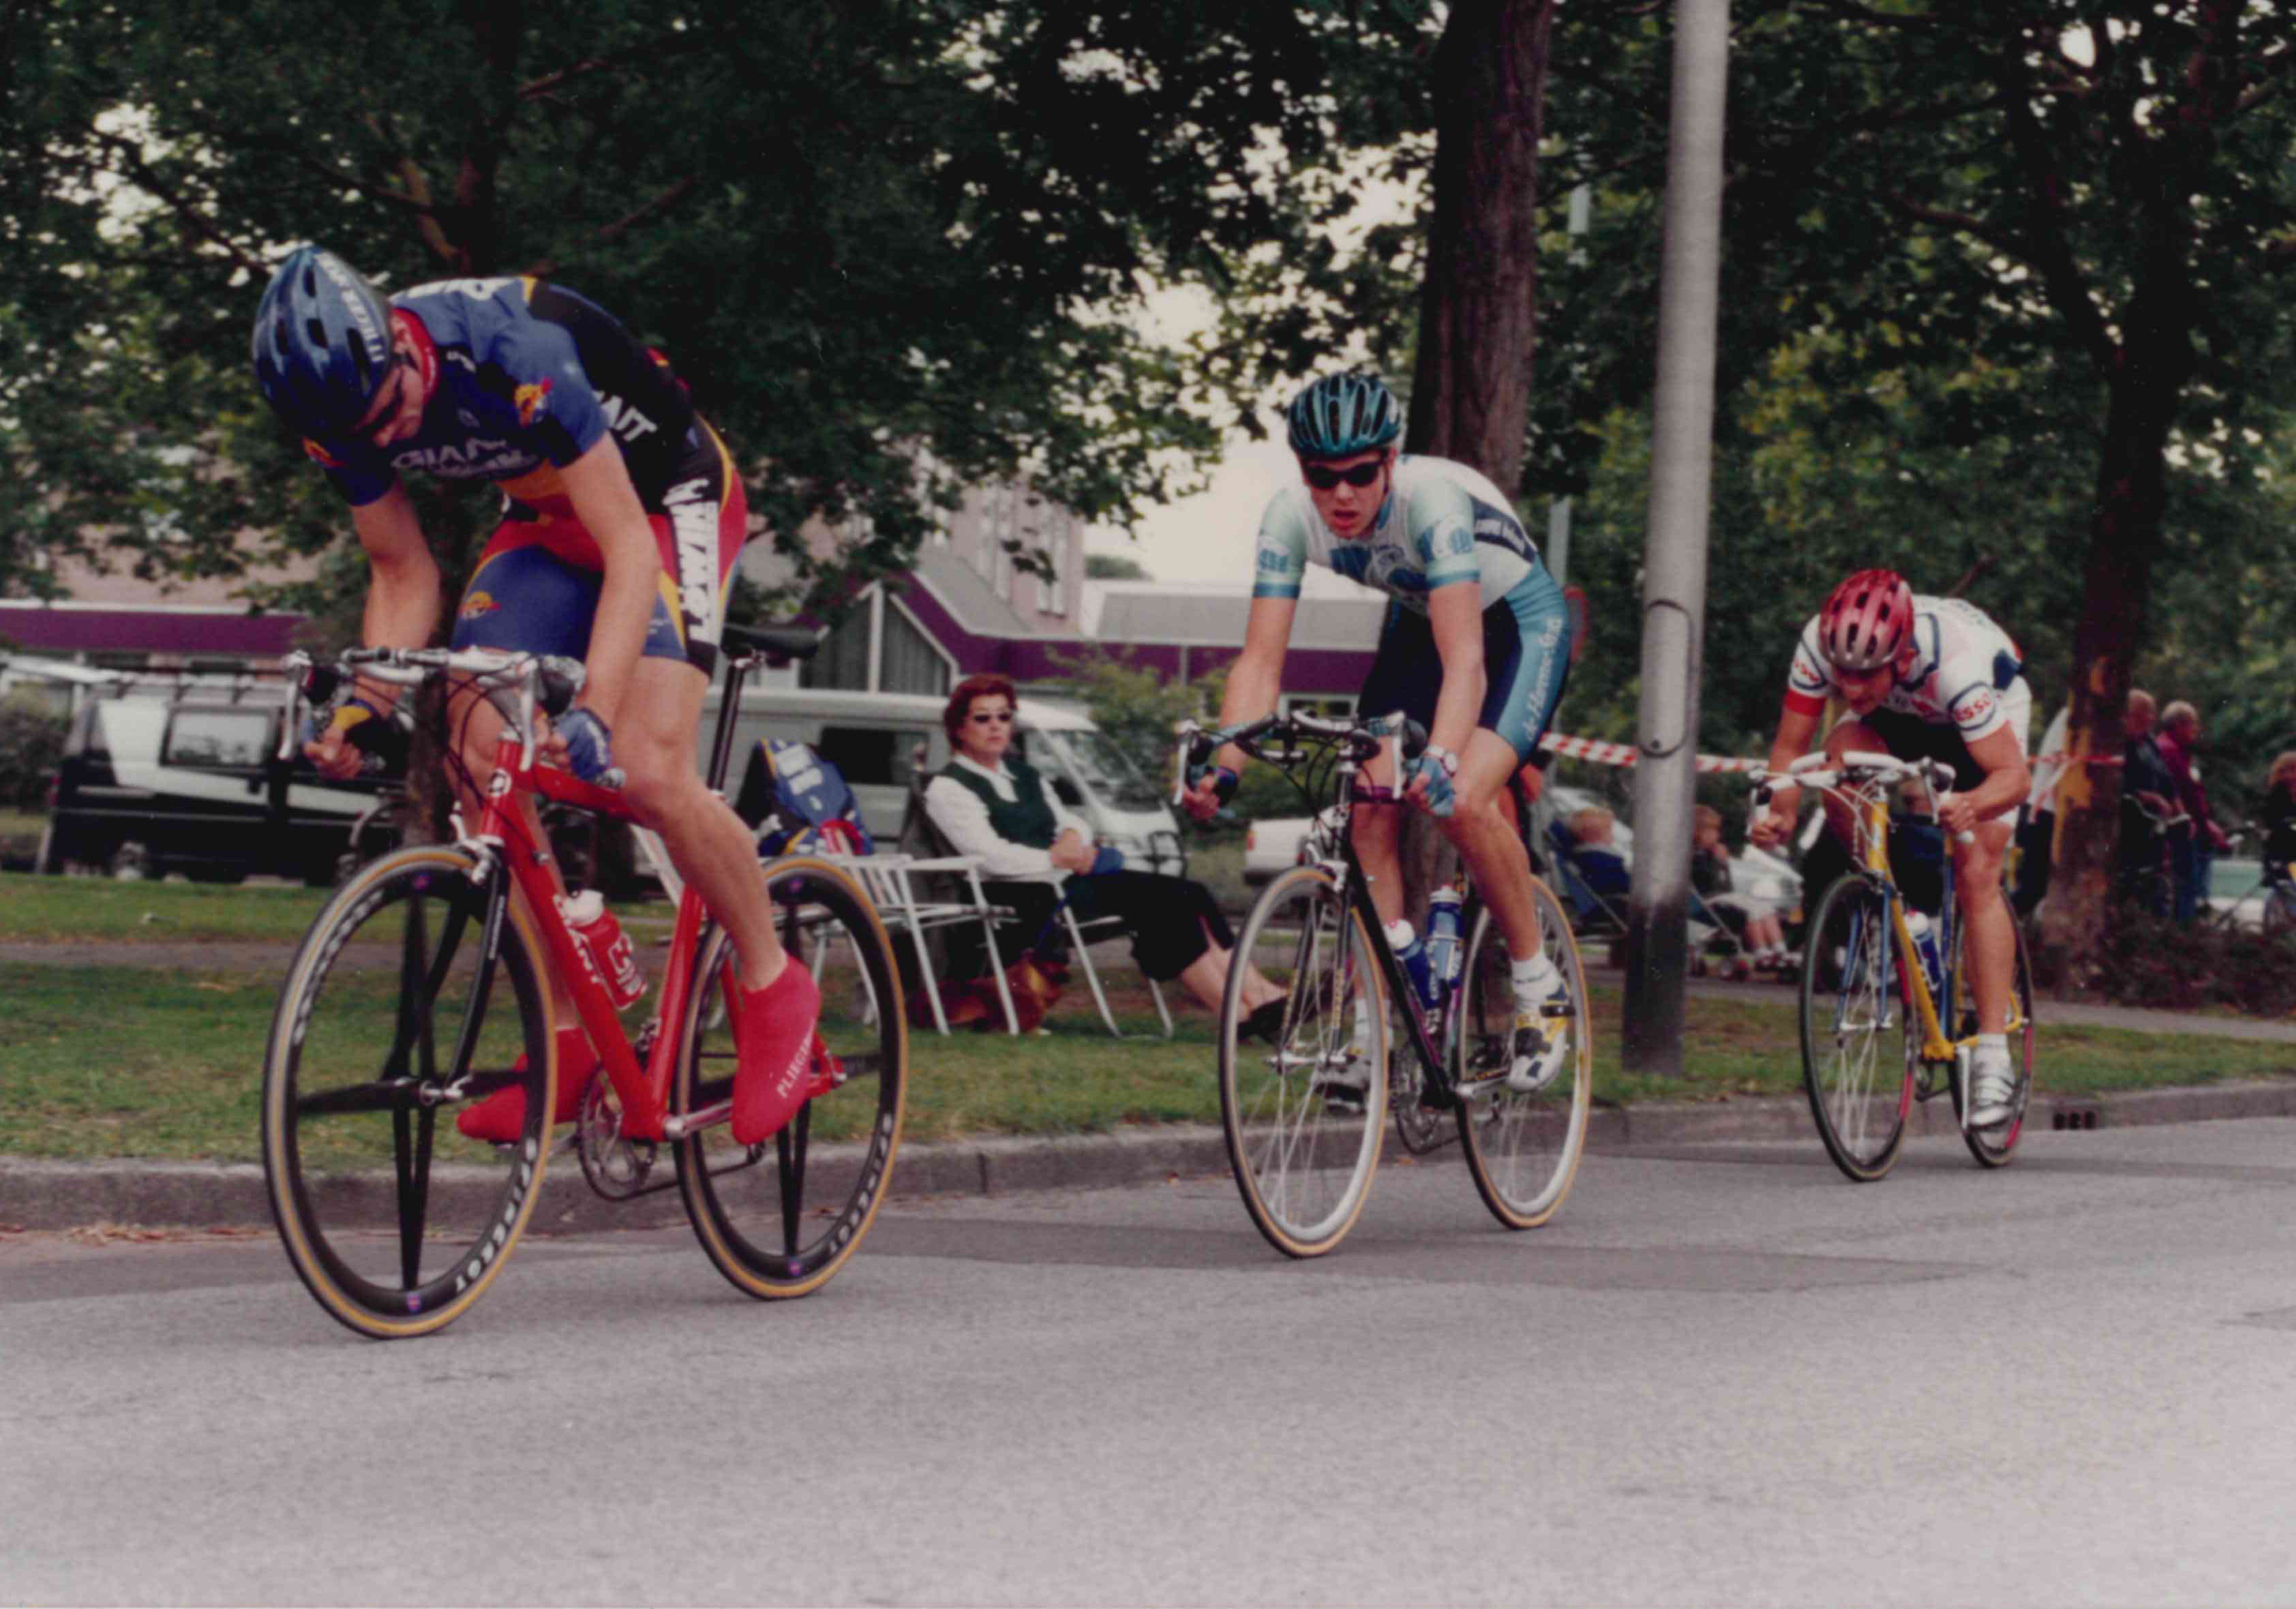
(1542, 1044)
(1992, 1091)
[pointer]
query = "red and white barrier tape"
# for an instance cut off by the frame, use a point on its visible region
(1624, 755)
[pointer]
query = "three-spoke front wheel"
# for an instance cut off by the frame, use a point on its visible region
(391, 1020)
(1858, 1045)
(1523, 1145)
(778, 1218)
(1305, 1112)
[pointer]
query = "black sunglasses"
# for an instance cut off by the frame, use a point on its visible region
(1323, 476)
(1002, 717)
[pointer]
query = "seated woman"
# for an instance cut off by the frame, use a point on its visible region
(991, 804)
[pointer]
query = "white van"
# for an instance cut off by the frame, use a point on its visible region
(883, 741)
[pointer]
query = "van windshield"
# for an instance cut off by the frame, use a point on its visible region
(1107, 770)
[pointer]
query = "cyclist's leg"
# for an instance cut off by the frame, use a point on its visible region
(657, 732)
(523, 597)
(1989, 941)
(1397, 680)
(1526, 662)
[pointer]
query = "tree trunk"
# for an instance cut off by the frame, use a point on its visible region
(2125, 536)
(1471, 391)
(2147, 369)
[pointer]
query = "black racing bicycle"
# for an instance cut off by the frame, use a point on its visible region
(1305, 1108)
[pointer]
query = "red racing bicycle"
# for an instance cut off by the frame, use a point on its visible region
(421, 988)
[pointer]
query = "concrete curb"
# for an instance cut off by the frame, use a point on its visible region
(37, 1194)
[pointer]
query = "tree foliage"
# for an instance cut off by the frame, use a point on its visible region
(888, 243)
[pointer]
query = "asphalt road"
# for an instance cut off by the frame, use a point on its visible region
(1724, 1375)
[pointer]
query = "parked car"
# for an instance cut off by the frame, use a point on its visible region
(193, 784)
(1273, 846)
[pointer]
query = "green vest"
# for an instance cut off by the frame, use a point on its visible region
(1028, 818)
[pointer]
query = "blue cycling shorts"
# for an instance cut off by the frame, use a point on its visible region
(1527, 638)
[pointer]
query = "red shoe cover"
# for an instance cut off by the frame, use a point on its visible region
(501, 1118)
(775, 1038)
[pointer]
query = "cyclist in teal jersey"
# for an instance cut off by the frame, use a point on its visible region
(621, 522)
(1476, 647)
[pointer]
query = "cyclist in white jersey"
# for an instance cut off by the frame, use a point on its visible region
(1476, 648)
(1925, 679)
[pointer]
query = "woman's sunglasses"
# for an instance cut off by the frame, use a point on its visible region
(1323, 476)
(1000, 716)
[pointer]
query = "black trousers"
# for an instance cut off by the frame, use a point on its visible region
(1172, 921)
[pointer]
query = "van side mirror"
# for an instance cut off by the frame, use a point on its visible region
(1069, 792)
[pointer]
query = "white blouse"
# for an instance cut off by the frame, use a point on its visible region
(959, 815)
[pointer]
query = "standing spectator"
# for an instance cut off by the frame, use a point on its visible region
(2145, 790)
(2194, 842)
(2278, 820)
(2036, 836)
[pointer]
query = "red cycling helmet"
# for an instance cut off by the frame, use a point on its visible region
(1867, 621)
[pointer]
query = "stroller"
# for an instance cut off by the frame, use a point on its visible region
(1595, 881)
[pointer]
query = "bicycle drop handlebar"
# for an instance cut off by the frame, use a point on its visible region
(1860, 767)
(1361, 739)
(544, 681)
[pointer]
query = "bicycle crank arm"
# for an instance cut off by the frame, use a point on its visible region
(681, 1125)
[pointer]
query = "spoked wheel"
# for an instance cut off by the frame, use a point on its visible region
(1420, 1128)
(390, 1022)
(781, 1217)
(1523, 1145)
(1859, 1043)
(1304, 1115)
(1994, 1146)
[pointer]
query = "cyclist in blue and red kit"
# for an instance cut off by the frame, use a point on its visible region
(622, 518)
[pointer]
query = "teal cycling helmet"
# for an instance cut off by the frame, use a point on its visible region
(1340, 416)
(322, 344)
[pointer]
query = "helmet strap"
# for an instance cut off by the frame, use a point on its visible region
(424, 350)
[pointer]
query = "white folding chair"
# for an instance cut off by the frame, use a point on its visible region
(1082, 936)
(891, 881)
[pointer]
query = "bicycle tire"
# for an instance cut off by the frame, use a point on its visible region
(1522, 1146)
(331, 1101)
(1995, 1148)
(1850, 1000)
(1302, 1142)
(779, 1218)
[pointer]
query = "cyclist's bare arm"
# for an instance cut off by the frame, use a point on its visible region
(1253, 682)
(402, 596)
(598, 485)
(2007, 781)
(402, 607)
(1454, 618)
(1797, 730)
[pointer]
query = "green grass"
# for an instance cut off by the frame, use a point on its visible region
(99, 910)
(106, 1061)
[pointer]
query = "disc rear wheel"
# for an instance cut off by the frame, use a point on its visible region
(780, 1217)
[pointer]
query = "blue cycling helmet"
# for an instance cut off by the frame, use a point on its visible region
(1340, 416)
(321, 343)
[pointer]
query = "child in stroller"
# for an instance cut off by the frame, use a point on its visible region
(1594, 879)
(1752, 922)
